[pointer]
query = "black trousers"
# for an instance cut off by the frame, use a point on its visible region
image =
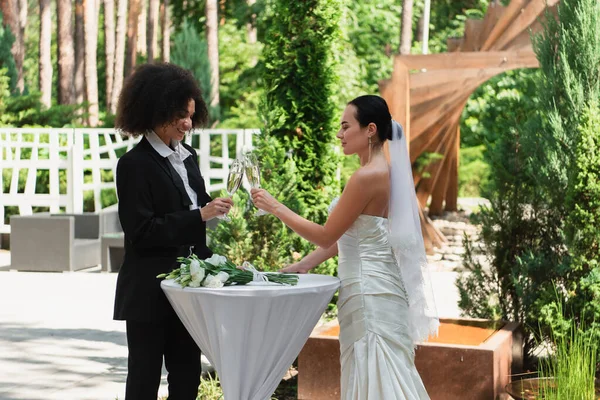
(148, 342)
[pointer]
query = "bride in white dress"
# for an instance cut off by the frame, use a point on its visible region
(384, 306)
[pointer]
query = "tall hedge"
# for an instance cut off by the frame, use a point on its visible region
(541, 231)
(300, 81)
(296, 147)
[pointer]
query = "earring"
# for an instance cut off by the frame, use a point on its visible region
(370, 146)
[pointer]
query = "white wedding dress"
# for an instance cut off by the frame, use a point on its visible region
(377, 355)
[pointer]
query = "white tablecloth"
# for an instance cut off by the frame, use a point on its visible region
(252, 334)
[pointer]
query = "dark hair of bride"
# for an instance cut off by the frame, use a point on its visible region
(374, 109)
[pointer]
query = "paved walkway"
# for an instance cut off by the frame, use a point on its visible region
(58, 339)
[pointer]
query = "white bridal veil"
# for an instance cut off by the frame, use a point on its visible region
(406, 239)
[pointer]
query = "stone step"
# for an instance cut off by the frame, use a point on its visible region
(455, 226)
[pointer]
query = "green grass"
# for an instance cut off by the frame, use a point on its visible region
(572, 366)
(210, 389)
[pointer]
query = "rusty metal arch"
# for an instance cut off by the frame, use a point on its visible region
(427, 93)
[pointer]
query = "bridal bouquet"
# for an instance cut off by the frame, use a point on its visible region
(217, 271)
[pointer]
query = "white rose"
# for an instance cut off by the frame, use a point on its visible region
(196, 271)
(211, 281)
(222, 276)
(194, 283)
(216, 260)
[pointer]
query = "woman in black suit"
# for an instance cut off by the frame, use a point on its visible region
(163, 209)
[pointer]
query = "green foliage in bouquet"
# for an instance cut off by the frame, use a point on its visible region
(542, 226)
(217, 272)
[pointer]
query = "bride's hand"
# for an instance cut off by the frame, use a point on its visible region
(264, 201)
(298, 268)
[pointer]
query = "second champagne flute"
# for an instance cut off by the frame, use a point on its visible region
(253, 175)
(234, 180)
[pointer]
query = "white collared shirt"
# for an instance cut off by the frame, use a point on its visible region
(176, 158)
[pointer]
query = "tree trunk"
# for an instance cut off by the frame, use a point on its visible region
(426, 16)
(119, 54)
(79, 53)
(66, 53)
(90, 27)
(166, 31)
(152, 30)
(251, 26)
(20, 51)
(222, 12)
(15, 16)
(45, 79)
(251, 29)
(109, 47)
(213, 49)
(141, 40)
(135, 8)
(419, 37)
(406, 27)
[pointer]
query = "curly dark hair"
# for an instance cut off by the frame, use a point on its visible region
(157, 94)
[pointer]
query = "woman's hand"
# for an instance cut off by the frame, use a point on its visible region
(298, 267)
(219, 206)
(264, 201)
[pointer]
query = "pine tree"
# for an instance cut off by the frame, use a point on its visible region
(7, 60)
(300, 81)
(297, 160)
(541, 232)
(569, 54)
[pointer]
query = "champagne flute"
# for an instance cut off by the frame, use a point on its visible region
(234, 180)
(253, 175)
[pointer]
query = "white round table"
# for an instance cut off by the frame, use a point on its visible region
(252, 334)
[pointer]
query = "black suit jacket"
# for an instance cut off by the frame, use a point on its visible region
(158, 226)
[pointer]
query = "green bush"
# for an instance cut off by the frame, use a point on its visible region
(28, 111)
(264, 241)
(190, 51)
(582, 233)
(297, 161)
(241, 77)
(7, 61)
(300, 82)
(4, 90)
(541, 228)
(519, 234)
(473, 172)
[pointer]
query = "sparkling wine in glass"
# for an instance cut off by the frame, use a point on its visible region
(253, 174)
(234, 180)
